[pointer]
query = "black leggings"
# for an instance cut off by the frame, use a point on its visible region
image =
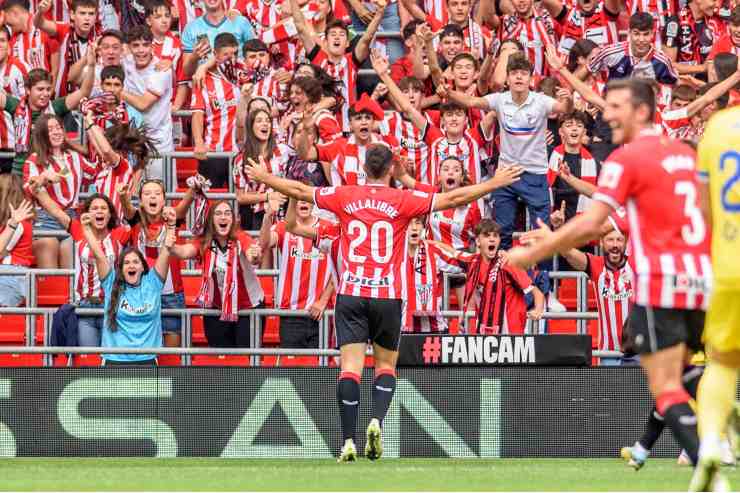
(226, 334)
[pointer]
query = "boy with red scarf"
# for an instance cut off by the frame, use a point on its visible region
(498, 289)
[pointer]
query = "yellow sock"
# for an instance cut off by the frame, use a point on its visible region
(715, 399)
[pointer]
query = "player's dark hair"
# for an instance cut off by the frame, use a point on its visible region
(450, 107)
(410, 28)
(684, 92)
(641, 21)
(411, 83)
(378, 161)
(465, 56)
(518, 61)
(8, 4)
(152, 6)
(312, 88)
(689, 143)
(141, 32)
(336, 24)
(76, 4)
(35, 76)
(225, 40)
(735, 16)
(452, 30)
(641, 93)
(113, 33)
(578, 116)
(113, 72)
(254, 46)
(581, 48)
(487, 225)
(113, 220)
(725, 64)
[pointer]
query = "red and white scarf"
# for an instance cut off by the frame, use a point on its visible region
(236, 257)
(200, 185)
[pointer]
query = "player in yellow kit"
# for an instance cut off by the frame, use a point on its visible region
(719, 173)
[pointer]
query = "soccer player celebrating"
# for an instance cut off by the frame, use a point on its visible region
(374, 219)
(719, 173)
(669, 239)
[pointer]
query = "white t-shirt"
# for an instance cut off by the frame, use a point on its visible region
(158, 118)
(523, 129)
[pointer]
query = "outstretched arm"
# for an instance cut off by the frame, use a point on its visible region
(553, 59)
(467, 101)
(72, 101)
(465, 195)
(162, 266)
(362, 48)
(24, 212)
(381, 67)
(712, 94)
(304, 31)
(291, 188)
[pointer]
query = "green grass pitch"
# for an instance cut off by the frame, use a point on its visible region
(324, 475)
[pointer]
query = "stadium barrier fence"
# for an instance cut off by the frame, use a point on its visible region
(291, 412)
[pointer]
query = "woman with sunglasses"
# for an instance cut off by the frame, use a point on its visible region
(132, 292)
(229, 281)
(148, 234)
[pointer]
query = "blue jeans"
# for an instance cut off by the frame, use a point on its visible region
(610, 361)
(174, 300)
(12, 288)
(45, 221)
(89, 328)
(531, 188)
(391, 21)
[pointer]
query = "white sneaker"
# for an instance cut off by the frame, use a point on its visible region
(553, 305)
(374, 440)
(684, 459)
(349, 452)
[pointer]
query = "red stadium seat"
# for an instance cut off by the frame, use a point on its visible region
(271, 331)
(268, 286)
(83, 360)
(191, 286)
(561, 326)
(593, 330)
(198, 333)
(169, 360)
(568, 293)
(21, 360)
(12, 329)
(185, 167)
(52, 290)
(289, 361)
(220, 360)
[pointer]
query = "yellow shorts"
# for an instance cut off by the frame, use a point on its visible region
(722, 327)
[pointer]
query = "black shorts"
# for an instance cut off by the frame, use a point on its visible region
(367, 319)
(653, 329)
(299, 332)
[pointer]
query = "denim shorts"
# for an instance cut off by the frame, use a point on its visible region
(46, 222)
(172, 323)
(12, 288)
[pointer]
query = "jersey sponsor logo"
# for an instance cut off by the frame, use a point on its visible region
(327, 191)
(687, 283)
(611, 294)
(380, 282)
(136, 310)
(378, 205)
(671, 29)
(677, 163)
(610, 174)
(314, 254)
(438, 216)
(411, 144)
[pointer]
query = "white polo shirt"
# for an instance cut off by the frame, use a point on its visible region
(523, 129)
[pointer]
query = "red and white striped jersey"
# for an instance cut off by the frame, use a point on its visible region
(304, 270)
(87, 282)
(614, 291)
(170, 48)
(150, 243)
(71, 50)
(455, 226)
(262, 15)
(469, 150)
(347, 157)
(436, 10)
(411, 140)
(422, 288)
(655, 178)
(534, 33)
(374, 221)
(277, 166)
(34, 47)
(217, 99)
(587, 173)
(188, 10)
(75, 171)
(600, 27)
(476, 38)
(674, 123)
(109, 177)
(20, 246)
(13, 73)
(345, 71)
(271, 89)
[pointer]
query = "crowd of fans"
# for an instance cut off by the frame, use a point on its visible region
(467, 87)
